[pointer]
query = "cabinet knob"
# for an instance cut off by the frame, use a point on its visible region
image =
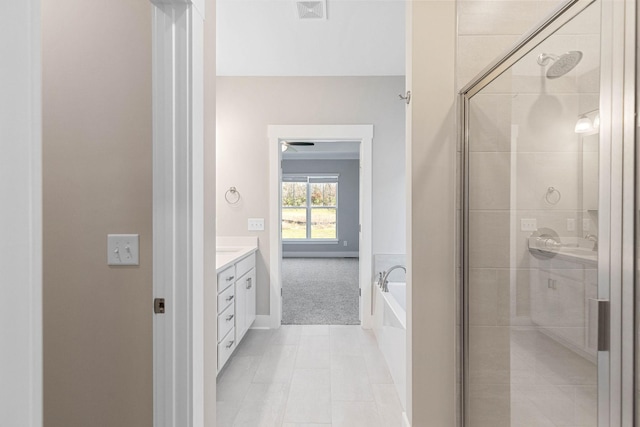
(249, 285)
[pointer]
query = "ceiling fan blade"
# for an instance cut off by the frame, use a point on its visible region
(301, 143)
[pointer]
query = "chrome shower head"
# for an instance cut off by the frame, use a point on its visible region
(561, 64)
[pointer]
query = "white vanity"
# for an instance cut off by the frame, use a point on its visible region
(564, 292)
(236, 271)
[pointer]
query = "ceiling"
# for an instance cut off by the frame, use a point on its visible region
(324, 150)
(266, 38)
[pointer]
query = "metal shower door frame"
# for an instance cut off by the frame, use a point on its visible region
(617, 170)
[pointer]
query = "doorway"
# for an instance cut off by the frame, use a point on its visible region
(343, 135)
(320, 219)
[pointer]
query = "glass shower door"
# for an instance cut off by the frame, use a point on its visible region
(533, 298)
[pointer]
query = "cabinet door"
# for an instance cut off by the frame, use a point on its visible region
(241, 309)
(250, 289)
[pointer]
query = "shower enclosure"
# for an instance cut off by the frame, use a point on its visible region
(548, 211)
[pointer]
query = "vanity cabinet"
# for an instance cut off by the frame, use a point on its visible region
(561, 303)
(236, 305)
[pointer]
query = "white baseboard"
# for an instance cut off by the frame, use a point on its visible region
(345, 254)
(405, 420)
(263, 321)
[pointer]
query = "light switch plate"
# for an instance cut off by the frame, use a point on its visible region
(528, 224)
(255, 224)
(123, 249)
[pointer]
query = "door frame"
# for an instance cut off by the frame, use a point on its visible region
(362, 133)
(21, 391)
(178, 213)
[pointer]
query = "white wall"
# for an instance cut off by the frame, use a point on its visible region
(20, 215)
(247, 105)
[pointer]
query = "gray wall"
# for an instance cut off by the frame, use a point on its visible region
(97, 174)
(97, 170)
(348, 203)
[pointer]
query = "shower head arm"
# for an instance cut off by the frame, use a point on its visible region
(544, 58)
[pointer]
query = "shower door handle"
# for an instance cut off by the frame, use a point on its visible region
(601, 309)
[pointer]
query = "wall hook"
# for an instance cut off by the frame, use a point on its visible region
(406, 98)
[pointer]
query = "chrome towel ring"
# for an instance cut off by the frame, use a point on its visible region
(232, 196)
(553, 196)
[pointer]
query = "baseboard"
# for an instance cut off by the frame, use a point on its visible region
(405, 420)
(345, 254)
(263, 321)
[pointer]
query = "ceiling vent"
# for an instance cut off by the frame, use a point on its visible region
(312, 9)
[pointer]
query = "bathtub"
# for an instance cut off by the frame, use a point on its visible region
(390, 327)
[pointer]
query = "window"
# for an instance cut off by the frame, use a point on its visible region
(309, 207)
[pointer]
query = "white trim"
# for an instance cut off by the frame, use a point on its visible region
(263, 321)
(362, 133)
(323, 254)
(178, 207)
(311, 242)
(21, 216)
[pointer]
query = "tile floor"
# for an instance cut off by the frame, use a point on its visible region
(550, 384)
(305, 376)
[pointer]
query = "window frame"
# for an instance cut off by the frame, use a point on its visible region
(332, 178)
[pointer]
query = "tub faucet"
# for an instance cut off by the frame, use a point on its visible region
(385, 276)
(594, 239)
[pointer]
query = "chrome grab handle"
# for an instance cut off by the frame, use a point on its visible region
(230, 278)
(230, 297)
(230, 344)
(229, 317)
(249, 285)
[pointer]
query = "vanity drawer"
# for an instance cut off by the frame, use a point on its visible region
(226, 297)
(226, 321)
(225, 348)
(245, 264)
(226, 277)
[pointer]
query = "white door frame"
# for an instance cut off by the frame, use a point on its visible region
(21, 215)
(362, 133)
(178, 207)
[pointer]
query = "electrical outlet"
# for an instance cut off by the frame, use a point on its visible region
(528, 224)
(122, 249)
(586, 224)
(255, 224)
(344, 243)
(571, 224)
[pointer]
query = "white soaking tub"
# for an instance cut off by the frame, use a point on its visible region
(390, 327)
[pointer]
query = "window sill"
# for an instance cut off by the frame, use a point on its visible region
(311, 242)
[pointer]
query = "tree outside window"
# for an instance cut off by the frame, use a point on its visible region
(309, 207)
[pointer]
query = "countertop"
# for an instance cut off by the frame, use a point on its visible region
(231, 249)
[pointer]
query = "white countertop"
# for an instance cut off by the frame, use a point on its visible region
(231, 249)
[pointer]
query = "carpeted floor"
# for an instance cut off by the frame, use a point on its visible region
(320, 291)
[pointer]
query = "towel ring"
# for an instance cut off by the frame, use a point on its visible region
(553, 196)
(232, 196)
